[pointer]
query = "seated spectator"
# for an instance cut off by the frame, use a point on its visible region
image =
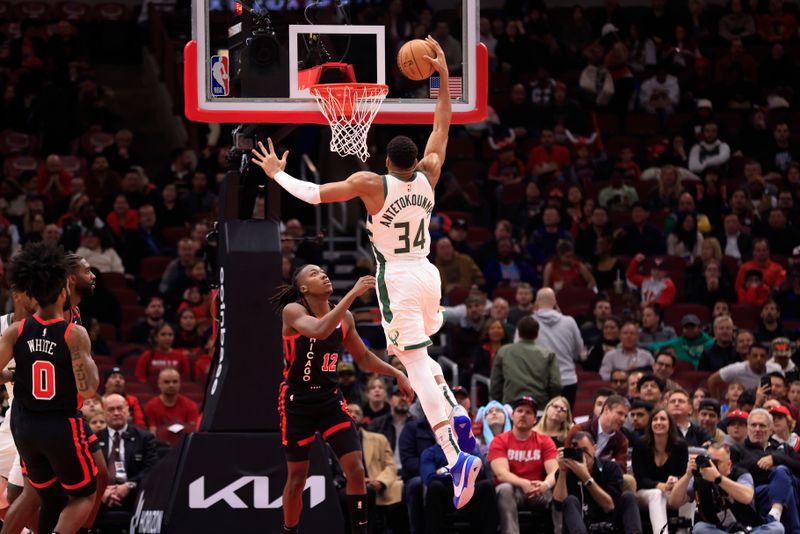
(493, 336)
(524, 464)
(506, 169)
(596, 82)
(96, 420)
(783, 425)
(187, 335)
(115, 383)
(709, 417)
(376, 404)
(171, 414)
(657, 288)
(100, 255)
(99, 342)
(660, 93)
(608, 341)
(736, 507)
(699, 394)
(659, 459)
(680, 409)
(199, 199)
(506, 268)
(122, 218)
(737, 24)
(664, 198)
(391, 425)
(780, 352)
(734, 242)
(548, 159)
(627, 356)
(633, 383)
(732, 394)
(52, 179)
(589, 491)
(458, 271)
(722, 352)
(565, 270)
(525, 367)
(161, 355)
(599, 400)
(685, 240)
(609, 425)
(592, 331)
(747, 373)
(710, 151)
(197, 296)
(744, 340)
(494, 419)
(774, 273)
(586, 167)
(618, 196)
(712, 286)
(777, 25)
(640, 418)
(544, 239)
(691, 343)
(464, 326)
(639, 236)
(609, 270)
(773, 466)
(523, 303)
(619, 381)
(175, 278)
(664, 367)
(769, 326)
(597, 226)
(153, 317)
(556, 421)
(352, 388)
(754, 291)
(147, 241)
(735, 427)
(653, 328)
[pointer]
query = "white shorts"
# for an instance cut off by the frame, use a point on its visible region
(15, 476)
(409, 295)
(8, 451)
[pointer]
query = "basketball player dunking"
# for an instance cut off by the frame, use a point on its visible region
(399, 204)
(54, 366)
(314, 334)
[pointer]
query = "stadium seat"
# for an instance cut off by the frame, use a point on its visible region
(12, 142)
(108, 331)
(745, 316)
(16, 165)
(114, 280)
(126, 296)
(584, 376)
(457, 296)
(692, 379)
(460, 148)
(71, 11)
(175, 234)
(478, 235)
(673, 314)
(608, 123)
(682, 366)
(641, 124)
(132, 311)
(32, 10)
(508, 293)
(466, 215)
(511, 194)
(151, 269)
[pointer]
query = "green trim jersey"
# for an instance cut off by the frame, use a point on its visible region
(400, 230)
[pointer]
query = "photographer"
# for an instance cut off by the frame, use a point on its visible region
(590, 491)
(724, 494)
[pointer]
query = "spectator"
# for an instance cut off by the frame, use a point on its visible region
(542, 242)
(565, 270)
(169, 212)
(608, 341)
(754, 291)
(518, 114)
(664, 367)
(600, 396)
(458, 237)
(524, 303)
(524, 463)
(710, 151)
(115, 383)
(414, 439)
(97, 421)
(639, 417)
(493, 336)
(122, 218)
(653, 328)
(609, 270)
(131, 454)
(692, 342)
(735, 426)
(737, 24)
(736, 244)
(148, 241)
(781, 354)
(770, 324)
(660, 93)
(391, 425)
(141, 332)
(502, 230)
(619, 381)
(639, 236)
(782, 152)
(744, 340)
(549, 159)
(101, 180)
(352, 388)
(458, 271)
(171, 414)
(712, 287)
(592, 331)
(709, 417)
(119, 154)
(657, 288)
(161, 355)
(521, 367)
(774, 273)
(506, 268)
(53, 180)
(628, 356)
(494, 419)
(377, 404)
(722, 352)
(559, 333)
(685, 240)
(100, 255)
(618, 196)
(794, 394)
(590, 491)
(556, 421)
(777, 26)
(187, 335)
(680, 409)
(658, 460)
(450, 46)
(737, 59)
(596, 82)
(598, 226)
(507, 169)
(633, 384)
(664, 198)
(747, 373)
(199, 199)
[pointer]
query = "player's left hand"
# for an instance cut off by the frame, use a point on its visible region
(405, 386)
(439, 62)
(267, 158)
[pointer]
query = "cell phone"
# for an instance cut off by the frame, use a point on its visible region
(767, 381)
(573, 453)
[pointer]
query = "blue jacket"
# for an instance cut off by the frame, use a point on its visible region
(494, 275)
(414, 439)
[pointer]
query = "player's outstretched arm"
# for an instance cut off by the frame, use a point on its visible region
(433, 159)
(368, 361)
(296, 316)
(7, 351)
(87, 378)
(355, 185)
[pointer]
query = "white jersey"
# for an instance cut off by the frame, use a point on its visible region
(400, 230)
(5, 322)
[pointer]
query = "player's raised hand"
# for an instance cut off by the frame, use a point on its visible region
(364, 284)
(439, 62)
(267, 158)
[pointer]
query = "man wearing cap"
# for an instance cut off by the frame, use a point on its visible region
(692, 342)
(735, 425)
(783, 426)
(639, 236)
(708, 415)
(747, 373)
(392, 424)
(781, 354)
(722, 352)
(525, 367)
(115, 383)
(657, 288)
(524, 463)
(710, 151)
(458, 271)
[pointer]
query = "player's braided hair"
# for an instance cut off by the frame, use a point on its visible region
(40, 271)
(287, 293)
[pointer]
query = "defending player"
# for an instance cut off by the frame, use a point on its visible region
(409, 287)
(54, 366)
(314, 334)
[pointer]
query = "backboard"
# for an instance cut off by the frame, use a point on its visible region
(253, 61)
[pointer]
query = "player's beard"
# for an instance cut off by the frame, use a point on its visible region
(84, 291)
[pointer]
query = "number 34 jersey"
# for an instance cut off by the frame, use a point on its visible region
(45, 381)
(310, 364)
(399, 231)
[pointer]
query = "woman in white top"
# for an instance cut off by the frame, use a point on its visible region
(103, 258)
(685, 240)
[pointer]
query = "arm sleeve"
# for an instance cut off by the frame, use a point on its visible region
(141, 365)
(720, 159)
(613, 482)
(605, 367)
(694, 160)
(792, 461)
(728, 373)
(634, 277)
(667, 296)
(149, 456)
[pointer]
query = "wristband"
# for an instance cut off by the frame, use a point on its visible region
(305, 191)
(718, 480)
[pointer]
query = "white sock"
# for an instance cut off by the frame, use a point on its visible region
(446, 440)
(776, 513)
(458, 410)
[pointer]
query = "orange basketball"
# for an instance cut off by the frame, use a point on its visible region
(411, 59)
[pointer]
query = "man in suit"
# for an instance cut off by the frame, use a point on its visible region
(130, 452)
(735, 243)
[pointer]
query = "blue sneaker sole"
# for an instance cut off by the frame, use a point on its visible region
(469, 488)
(463, 428)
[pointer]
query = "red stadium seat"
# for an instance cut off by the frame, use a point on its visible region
(113, 280)
(460, 148)
(16, 165)
(108, 331)
(466, 215)
(692, 379)
(608, 123)
(72, 11)
(151, 269)
(508, 293)
(513, 193)
(132, 312)
(583, 407)
(584, 376)
(673, 314)
(457, 296)
(641, 124)
(745, 316)
(126, 296)
(683, 366)
(175, 234)
(478, 235)
(32, 10)
(12, 142)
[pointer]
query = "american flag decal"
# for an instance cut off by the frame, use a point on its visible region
(453, 83)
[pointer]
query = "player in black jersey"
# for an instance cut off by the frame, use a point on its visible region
(53, 367)
(314, 334)
(81, 282)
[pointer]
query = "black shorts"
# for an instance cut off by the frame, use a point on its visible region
(56, 448)
(301, 420)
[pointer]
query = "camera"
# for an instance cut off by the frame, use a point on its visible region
(573, 453)
(702, 461)
(602, 528)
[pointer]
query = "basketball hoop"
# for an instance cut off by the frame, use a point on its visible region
(350, 109)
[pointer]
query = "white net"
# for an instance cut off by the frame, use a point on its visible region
(350, 109)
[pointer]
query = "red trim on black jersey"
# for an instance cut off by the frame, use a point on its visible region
(282, 411)
(304, 442)
(74, 424)
(335, 428)
(66, 331)
(49, 321)
(344, 330)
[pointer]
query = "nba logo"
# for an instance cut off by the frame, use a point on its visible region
(219, 76)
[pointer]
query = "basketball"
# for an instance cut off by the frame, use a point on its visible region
(412, 62)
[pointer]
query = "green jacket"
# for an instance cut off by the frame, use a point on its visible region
(688, 350)
(525, 368)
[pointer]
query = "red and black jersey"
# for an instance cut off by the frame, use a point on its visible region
(310, 364)
(45, 381)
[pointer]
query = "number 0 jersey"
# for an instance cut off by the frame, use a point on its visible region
(399, 231)
(45, 381)
(310, 364)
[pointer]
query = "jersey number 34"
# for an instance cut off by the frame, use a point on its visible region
(419, 237)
